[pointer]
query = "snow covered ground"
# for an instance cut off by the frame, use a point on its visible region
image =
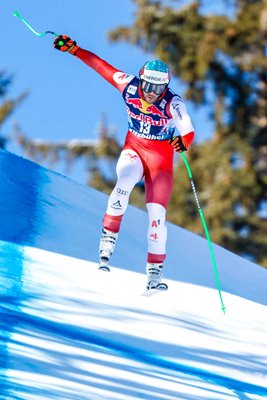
(69, 331)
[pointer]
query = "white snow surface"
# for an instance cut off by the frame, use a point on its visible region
(71, 332)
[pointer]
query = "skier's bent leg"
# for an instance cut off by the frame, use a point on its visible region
(159, 183)
(129, 172)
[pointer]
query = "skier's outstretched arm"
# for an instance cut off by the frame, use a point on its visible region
(114, 76)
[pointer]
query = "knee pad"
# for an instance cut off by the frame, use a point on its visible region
(129, 172)
(157, 231)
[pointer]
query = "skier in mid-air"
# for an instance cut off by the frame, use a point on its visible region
(154, 112)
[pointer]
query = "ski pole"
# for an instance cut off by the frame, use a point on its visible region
(205, 230)
(17, 14)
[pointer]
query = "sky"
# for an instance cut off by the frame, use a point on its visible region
(71, 332)
(66, 98)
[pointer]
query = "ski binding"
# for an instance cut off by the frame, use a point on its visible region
(103, 265)
(161, 287)
(104, 268)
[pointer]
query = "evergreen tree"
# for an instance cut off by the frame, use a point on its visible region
(224, 56)
(92, 152)
(99, 157)
(7, 106)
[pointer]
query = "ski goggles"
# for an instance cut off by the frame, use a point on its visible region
(148, 87)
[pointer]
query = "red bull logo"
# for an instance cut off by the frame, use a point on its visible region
(136, 103)
(152, 109)
(144, 107)
(147, 118)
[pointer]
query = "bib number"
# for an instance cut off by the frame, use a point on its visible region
(145, 127)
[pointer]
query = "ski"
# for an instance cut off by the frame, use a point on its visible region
(162, 287)
(104, 268)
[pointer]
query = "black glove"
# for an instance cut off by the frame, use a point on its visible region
(177, 144)
(65, 43)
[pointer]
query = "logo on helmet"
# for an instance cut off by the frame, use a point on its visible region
(155, 71)
(150, 78)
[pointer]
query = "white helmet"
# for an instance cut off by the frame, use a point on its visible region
(154, 76)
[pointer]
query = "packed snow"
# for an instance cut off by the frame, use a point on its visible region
(69, 331)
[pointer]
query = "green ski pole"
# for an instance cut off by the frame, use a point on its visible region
(17, 14)
(205, 229)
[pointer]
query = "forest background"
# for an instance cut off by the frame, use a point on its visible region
(219, 59)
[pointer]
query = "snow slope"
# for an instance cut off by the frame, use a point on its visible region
(71, 332)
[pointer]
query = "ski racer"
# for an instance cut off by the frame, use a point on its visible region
(154, 114)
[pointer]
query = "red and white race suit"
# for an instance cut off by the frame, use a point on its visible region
(147, 152)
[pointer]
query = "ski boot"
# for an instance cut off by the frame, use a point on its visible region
(106, 247)
(154, 277)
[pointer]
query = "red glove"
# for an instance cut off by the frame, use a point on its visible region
(65, 43)
(182, 143)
